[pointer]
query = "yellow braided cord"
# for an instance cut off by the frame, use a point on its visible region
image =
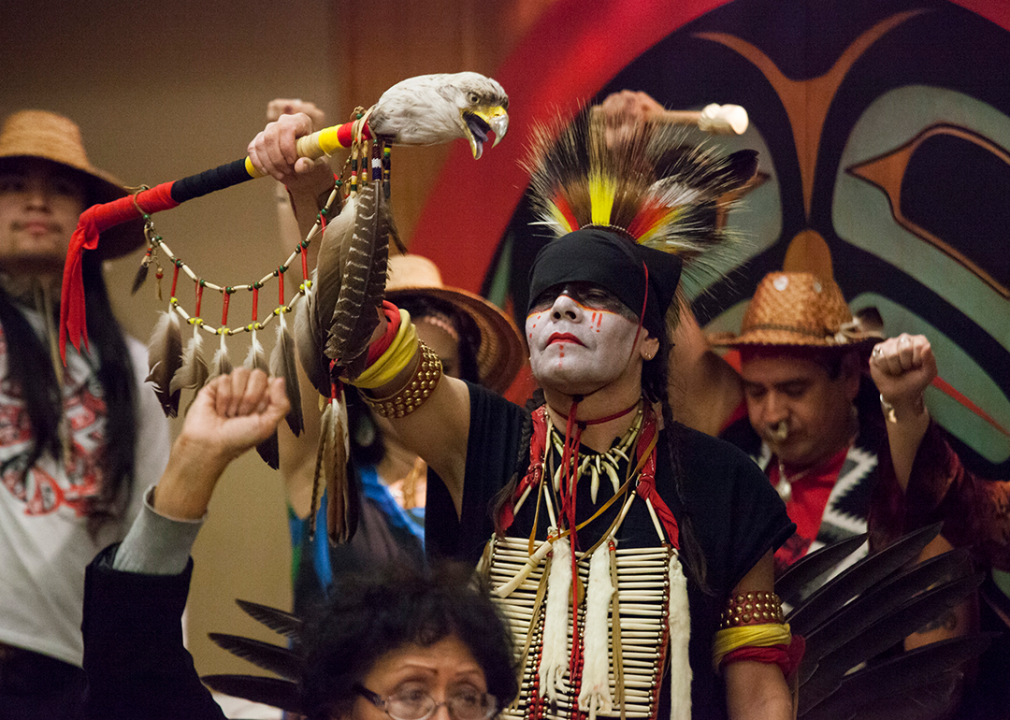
(397, 356)
(601, 197)
(765, 635)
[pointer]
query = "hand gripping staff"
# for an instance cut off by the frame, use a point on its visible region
(424, 110)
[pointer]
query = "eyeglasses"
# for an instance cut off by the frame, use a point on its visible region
(463, 704)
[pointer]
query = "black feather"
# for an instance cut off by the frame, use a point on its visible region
(139, 278)
(901, 687)
(883, 598)
(793, 583)
(273, 658)
(280, 621)
(269, 451)
(881, 635)
(827, 600)
(268, 691)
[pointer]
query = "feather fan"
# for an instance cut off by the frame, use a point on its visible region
(864, 574)
(900, 687)
(281, 693)
(795, 581)
(862, 614)
(880, 600)
(280, 621)
(901, 620)
(192, 375)
(282, 364)
(164, 360)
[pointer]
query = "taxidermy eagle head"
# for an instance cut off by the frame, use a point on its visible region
(433, 109)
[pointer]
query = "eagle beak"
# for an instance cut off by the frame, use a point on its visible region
(498, 119)
(479, 123)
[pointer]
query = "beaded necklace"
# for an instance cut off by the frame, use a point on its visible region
(617, 614)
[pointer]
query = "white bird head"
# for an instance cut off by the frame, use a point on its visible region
(433, 109)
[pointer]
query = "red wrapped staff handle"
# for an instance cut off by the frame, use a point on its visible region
(97, 218)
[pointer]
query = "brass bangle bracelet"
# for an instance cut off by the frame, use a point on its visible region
(427, 374)
(892, 417)
(752, 608)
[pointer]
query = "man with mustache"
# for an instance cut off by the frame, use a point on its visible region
(847, 450)
(810, 417)
(75, 441)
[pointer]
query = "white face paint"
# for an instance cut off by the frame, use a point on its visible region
(581, 340)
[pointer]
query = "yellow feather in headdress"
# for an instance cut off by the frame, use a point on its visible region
(650, 181)
(602, 189)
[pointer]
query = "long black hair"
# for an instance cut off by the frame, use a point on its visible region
(29, 368)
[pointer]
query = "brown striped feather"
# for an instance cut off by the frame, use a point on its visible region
(164, 360)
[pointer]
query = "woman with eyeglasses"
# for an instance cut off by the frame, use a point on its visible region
(402, 642)
(406, 642)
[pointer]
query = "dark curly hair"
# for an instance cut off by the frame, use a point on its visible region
(374, 614)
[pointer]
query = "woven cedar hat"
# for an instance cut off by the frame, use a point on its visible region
(48, 136)
(501, 352)
(801, 310)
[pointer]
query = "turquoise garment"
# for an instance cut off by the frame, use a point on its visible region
(385, 532)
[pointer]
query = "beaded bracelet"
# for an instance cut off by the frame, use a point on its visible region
(753, 608)
(427, 374)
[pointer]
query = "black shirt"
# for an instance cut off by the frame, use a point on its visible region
(736, 516)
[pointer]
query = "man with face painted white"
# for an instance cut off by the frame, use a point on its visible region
(599, 473)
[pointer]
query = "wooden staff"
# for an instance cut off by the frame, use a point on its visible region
(714, 119)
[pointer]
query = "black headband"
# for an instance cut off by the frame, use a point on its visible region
(612, 261)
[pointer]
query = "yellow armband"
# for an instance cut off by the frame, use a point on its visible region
(392, 362)
(733, 638)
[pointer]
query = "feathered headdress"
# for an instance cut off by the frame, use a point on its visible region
(647, 182)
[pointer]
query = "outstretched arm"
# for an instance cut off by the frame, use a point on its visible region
(704, 389)
(300, 195)
(438, 430)
(307, 183)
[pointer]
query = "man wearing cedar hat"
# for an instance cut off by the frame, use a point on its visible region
(839, 448)
(74, 441)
